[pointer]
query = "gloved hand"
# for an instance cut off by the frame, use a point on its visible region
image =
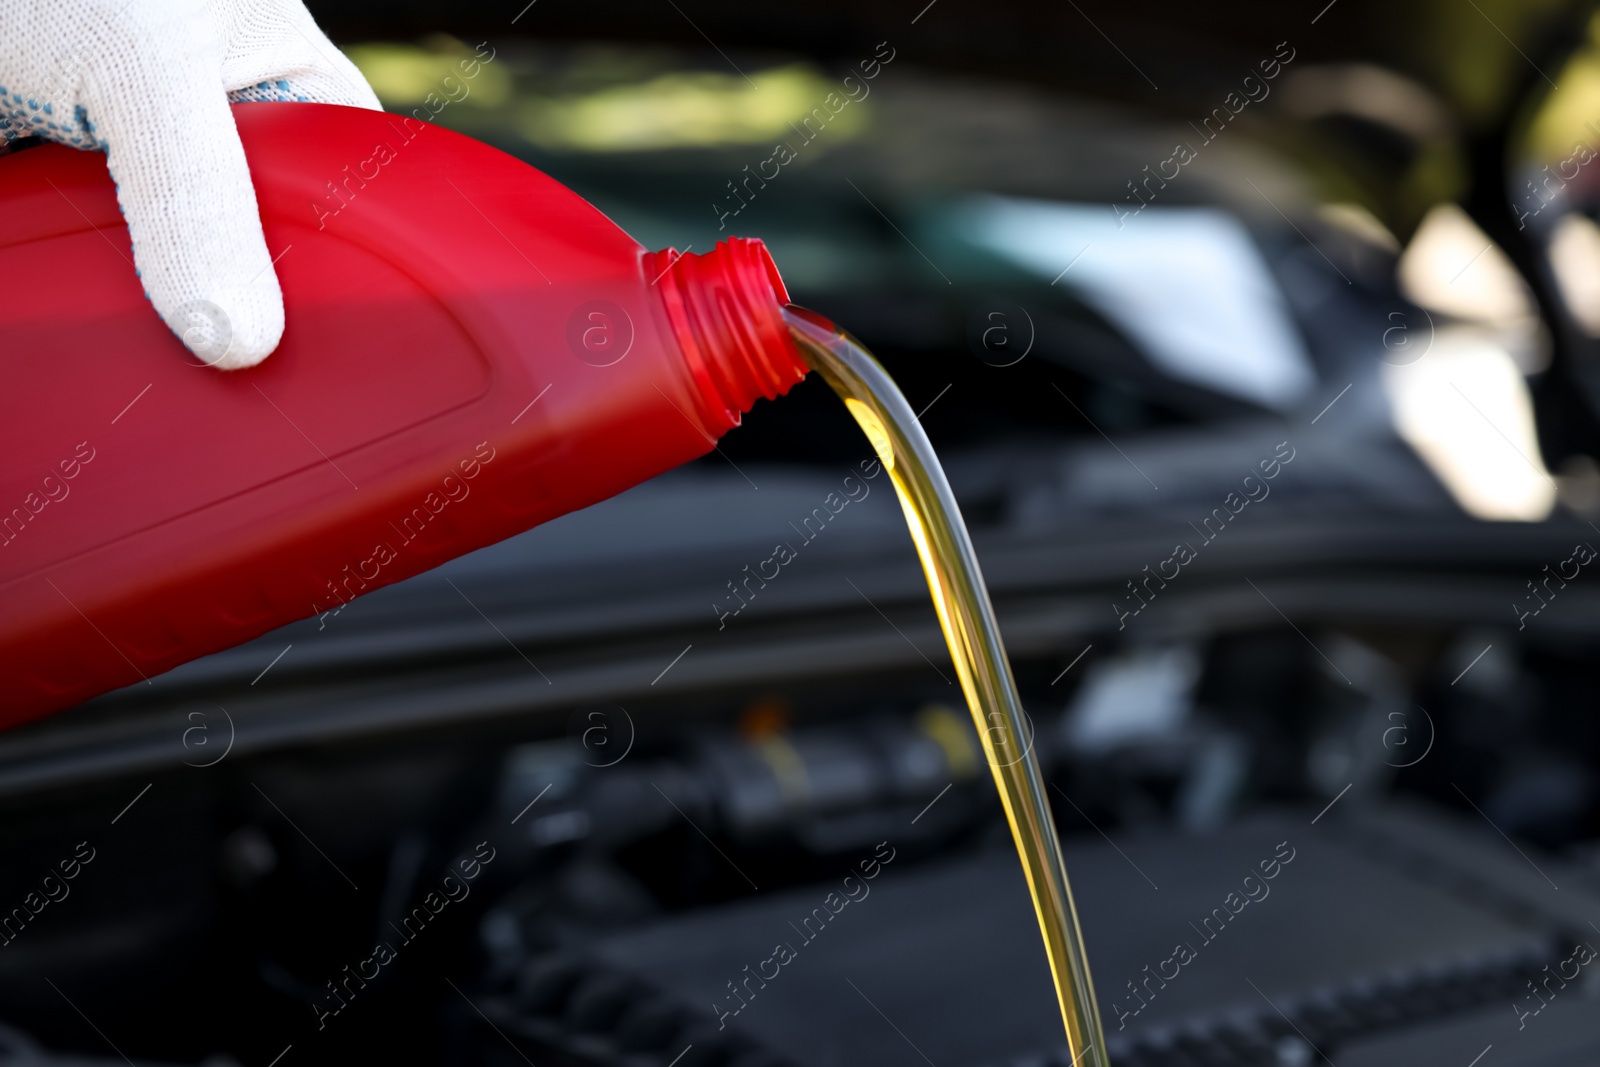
(149, 82)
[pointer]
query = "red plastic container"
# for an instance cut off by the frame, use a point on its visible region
(471, 350)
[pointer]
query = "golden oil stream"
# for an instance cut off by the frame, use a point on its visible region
(967, 618)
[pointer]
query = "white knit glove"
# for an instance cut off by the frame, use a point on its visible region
(149, 81)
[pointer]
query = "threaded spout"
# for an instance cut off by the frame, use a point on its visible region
(726, 311)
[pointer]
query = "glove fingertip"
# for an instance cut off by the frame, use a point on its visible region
(230, 329)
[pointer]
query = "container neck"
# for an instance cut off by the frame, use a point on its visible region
(726, 312)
